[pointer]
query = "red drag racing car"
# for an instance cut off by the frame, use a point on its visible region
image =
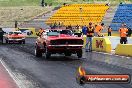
(61, 41)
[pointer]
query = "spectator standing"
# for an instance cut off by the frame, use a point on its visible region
(90, 32)
(59, 25)
(109, 31)
(51, 25)
(78, 31)
(84, 30)
(123, 34)
(69, 27)
(42, 3)
(1, 34)
(98, 29)
(55, 25)
(77, 27)
(41, 31)
(129, 31)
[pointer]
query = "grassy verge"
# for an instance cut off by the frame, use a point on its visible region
(8, 15)
(8, 3)
(54, 2)
(19, 2)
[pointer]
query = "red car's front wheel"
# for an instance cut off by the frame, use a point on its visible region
(79, 53)
(38, 53)
(47, 53)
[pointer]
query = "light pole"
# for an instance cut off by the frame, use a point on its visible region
(80, 14)
(19, 20)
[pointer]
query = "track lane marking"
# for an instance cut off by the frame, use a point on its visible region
(12, 75)
(112, 54)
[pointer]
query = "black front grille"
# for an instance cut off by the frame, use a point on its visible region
(67, 41)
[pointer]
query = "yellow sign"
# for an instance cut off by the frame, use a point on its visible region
(124, 49)
(84, 41)
(101, 44)
(27, 31)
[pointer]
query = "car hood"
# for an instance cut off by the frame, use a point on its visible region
(15, 35)
(63, 36)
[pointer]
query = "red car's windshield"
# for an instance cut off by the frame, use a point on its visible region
(53, 33)
(10, 33)
(57, 32)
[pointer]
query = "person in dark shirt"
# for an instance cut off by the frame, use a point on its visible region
(55, 25)
(123, 33)
(90, 32)
(42, 3)
(1, 34)
(69, 27)
(129, 31)
(109, 31)
(77, 27)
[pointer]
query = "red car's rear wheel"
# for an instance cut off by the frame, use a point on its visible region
(47, 53)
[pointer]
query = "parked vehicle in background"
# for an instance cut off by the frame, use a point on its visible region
(26, 32)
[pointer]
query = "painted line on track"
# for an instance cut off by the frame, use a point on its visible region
(12, 75)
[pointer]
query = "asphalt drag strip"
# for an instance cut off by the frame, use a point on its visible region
(60, 71)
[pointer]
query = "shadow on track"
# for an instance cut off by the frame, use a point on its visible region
(60, 58)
